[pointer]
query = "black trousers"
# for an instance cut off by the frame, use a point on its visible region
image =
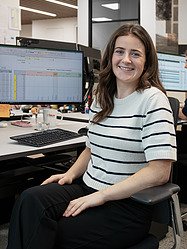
(37, 221)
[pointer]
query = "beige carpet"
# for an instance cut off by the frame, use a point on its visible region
(167, 242)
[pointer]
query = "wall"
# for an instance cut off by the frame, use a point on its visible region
(10, 21)
(182, 22)
(26, 30)
(83, 22)
(148, 17)
(63, 29)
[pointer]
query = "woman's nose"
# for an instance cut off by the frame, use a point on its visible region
(126, 58)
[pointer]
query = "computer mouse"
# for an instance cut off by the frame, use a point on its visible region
(83, 131)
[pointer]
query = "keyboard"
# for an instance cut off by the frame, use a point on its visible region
(43, 138)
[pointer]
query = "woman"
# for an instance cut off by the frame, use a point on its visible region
(130, 146)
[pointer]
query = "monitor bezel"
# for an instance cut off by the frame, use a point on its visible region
(48, 102)
(41, 43)
(91, 56)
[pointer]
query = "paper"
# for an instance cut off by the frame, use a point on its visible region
(14, 19)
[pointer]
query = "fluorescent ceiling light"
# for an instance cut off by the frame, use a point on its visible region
(101, 19)
(113, 6)
(62, 3)
(37, 11)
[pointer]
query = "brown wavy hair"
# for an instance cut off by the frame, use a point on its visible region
(107, 80)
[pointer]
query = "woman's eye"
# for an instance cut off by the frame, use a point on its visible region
(135, 54)
(119, 51)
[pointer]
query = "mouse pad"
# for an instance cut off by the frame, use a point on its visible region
(21, 123)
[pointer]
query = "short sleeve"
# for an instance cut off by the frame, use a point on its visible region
(158, 131)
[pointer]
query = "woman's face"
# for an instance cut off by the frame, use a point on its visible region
(128, 60)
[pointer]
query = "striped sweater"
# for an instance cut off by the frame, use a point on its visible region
(139, 129)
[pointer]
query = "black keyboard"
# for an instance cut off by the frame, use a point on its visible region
(43, 138)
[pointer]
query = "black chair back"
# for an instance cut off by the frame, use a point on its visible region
(174, 103)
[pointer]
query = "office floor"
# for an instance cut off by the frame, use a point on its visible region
(166, 243)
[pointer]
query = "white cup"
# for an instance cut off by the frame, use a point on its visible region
(49, 118)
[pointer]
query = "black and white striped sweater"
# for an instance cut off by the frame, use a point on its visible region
(139, 129)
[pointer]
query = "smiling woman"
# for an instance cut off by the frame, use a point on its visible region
(129, 112)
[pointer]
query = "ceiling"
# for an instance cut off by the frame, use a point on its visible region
(61, 11)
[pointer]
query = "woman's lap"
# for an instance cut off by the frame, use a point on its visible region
(111, 225)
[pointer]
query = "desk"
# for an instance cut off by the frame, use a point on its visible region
(11, 149)
(182, 121)
(16, 173)
(76, 116)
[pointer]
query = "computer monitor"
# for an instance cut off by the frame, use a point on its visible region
(40, 43)
(40, 76)
(92, 58)
(173, 75)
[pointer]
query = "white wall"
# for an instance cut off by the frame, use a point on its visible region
(9, 21)
(63, 29)
(83, 22)
(148, 17)
(161, 27)
(182, 22)
(26, 30)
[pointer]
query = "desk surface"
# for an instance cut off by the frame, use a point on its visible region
(76, 116)
(182, 121)
(11, 149)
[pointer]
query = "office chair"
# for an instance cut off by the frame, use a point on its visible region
(166, 209)
(175, 105)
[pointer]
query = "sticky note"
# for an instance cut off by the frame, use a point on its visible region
(4, 110)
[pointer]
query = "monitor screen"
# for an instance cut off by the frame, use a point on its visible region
(173, 75)
(40, 76)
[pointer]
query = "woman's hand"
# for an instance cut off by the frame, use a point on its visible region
(76, 206)
(74, 172)
(59, 178)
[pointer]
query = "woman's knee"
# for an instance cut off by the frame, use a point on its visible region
(30, 196)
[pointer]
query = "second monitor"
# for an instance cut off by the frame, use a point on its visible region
(173, 73)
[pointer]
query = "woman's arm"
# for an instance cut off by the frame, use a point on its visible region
(183, 111)
(181, 114)
(76, 170)
(156, 173)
